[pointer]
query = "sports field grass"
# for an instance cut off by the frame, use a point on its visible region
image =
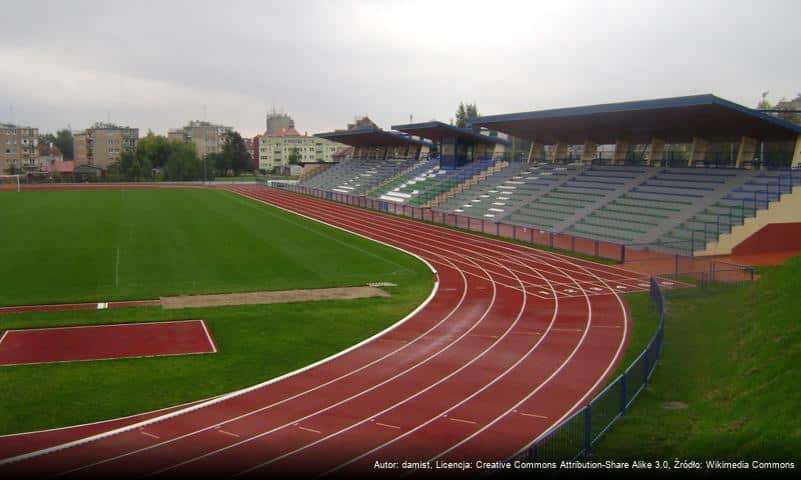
(732, 354)
(71, 246)
(173, 242)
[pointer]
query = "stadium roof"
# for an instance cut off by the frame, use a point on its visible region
(435, 130)
(371, 137)
(674, 120)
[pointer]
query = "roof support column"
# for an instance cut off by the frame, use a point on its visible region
(746, 151)
(422, 151)
(796, 162)
(590, 149)
(656, 152)
(559, 152)
(535, 149)
(697, 151)
(621, 150)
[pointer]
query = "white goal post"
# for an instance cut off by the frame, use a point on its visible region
(9, 182)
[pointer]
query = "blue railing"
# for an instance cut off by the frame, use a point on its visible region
(577, 435)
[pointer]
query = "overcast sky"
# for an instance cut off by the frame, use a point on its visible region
(156, 64)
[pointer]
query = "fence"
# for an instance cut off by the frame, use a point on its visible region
(533, 236)
(575, 436)
(658, 261)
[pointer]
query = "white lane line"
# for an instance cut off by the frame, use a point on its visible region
(3, 336)
(453, 419)
(148, 434)
(310, 430)
(226, 432)
(533, 415)
(388, 425)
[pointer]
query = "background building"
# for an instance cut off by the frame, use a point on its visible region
(207, 137)
(103, 143)
(277, 122)
(17, 148)
(275, 150)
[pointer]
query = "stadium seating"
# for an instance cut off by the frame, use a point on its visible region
(427, 183)
(673, 209)
(357, 176)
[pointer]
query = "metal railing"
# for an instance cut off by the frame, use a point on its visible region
(532, 236)
(575, 437)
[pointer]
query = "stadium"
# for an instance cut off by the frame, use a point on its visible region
(430, 303)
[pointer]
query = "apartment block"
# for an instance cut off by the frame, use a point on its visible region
(103, 143)
(207, 137)
(275, 150)
(18, 148)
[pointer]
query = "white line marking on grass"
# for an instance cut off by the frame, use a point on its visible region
(117, 270)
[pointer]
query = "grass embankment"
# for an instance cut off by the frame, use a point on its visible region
(732, 354)
(61, 246)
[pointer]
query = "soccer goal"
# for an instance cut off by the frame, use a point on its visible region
(9, 182)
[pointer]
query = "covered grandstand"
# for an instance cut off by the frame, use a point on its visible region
(694, 175)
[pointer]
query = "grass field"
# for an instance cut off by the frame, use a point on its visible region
(62, 247)
(732, 354)
(138, 244)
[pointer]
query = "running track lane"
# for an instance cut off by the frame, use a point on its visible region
(489, 343)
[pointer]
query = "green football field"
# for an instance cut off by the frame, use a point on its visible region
(70, 246)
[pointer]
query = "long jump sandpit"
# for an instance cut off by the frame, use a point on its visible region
(282, 296)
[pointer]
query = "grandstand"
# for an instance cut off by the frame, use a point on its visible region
(378, 156)
(686, 175)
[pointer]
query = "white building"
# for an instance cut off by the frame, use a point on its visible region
(275, 150)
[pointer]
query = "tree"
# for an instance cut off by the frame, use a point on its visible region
(465, 113)
(63, 141)
(153, 150)
(47, 139)
(294, 157)
(235, 151)
(183, 163)
(783, 104)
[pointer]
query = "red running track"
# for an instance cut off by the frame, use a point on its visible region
(511, 341)
(104, 342)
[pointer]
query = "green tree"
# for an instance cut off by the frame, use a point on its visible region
(47, 139)
(63, 140)
(235, 151)
(183, 163)
(294, 157)
(153, 150)
(465, 113)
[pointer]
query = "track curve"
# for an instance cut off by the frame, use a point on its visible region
(513, 340)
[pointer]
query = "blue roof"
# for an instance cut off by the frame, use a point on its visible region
(371, 137)
(672, 119)
(435, 130)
